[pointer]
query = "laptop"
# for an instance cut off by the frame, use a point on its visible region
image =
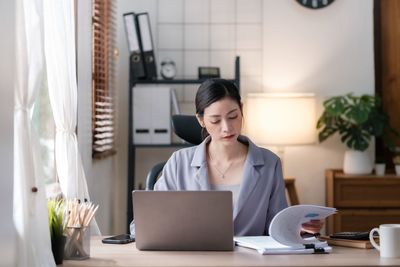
(183, 220)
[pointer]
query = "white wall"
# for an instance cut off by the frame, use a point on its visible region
(7, 231)
(327, 52)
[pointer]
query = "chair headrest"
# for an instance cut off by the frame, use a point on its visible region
(188, 128)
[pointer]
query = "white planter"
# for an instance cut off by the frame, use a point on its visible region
(397, 168)
(380, 169)
(357, 162)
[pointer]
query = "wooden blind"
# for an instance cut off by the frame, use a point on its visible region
(103, 77)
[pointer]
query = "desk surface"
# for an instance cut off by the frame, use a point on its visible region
(127, 255)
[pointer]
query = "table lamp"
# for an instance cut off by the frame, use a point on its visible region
(280, 119)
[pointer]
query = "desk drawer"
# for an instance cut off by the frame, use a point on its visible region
(368, 193)
(361, 219)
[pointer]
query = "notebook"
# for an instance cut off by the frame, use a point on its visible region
(183, 220)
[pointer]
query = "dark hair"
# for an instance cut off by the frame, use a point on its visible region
(213, 90)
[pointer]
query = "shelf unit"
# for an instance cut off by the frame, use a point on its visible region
(132, 147)
(363, 201)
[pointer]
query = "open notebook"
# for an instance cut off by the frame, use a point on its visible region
(285, 231)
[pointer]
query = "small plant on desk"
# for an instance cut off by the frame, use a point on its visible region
(55, 210)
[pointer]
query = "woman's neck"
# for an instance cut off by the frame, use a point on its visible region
(223, 152)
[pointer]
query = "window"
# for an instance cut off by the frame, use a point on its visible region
(103, 77)
(43, 122)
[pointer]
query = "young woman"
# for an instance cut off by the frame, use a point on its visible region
(227, 160)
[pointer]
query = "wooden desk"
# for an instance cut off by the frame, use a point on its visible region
(127, 255)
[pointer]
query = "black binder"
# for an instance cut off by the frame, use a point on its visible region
(136, 57)
(146, 41)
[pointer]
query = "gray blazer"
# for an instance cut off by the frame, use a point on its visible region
(262, 191)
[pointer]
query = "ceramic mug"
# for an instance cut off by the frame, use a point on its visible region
(389, 240)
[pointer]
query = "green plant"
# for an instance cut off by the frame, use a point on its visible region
(56, 212)
(356, 119)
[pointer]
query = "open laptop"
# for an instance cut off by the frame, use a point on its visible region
(183, 220)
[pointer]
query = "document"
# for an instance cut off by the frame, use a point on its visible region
(267, 245)
(285, 232)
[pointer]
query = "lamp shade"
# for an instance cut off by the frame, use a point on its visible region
(280, 119)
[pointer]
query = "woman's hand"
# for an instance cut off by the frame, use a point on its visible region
(313, 226)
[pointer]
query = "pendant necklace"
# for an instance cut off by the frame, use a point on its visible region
(215, 167)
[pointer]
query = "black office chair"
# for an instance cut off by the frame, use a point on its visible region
(187, 128)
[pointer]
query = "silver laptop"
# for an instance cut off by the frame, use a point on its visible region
(183, 220)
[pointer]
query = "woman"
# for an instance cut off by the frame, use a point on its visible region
(226, 160)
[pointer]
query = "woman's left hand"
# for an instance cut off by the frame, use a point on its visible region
(313, 226)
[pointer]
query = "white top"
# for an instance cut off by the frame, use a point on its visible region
(234, 188)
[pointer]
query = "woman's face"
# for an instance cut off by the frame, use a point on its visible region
(222, 120)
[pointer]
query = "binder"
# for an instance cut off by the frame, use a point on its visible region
(142, 110)
(146, 42)
(136, 69)
(161, 115)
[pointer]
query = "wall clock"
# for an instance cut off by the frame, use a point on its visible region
(314, 4)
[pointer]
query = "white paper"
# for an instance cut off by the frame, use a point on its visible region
(285, 229)
(286, 226)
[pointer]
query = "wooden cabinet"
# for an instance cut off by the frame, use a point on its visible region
(363, 201)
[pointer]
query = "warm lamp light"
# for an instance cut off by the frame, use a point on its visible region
(279, 119)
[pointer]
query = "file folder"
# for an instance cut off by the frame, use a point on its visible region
(151, 114)
(142, 109)
(137, 70)
(146, 42)
(161, 115)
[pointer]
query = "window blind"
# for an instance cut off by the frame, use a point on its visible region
(103, 77)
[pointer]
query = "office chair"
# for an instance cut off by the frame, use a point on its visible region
(187, 128)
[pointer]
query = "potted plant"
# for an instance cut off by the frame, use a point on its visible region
(57, 227)
(357, 119)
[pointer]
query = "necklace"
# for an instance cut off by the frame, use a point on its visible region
(222, 173)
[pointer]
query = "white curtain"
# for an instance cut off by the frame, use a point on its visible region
(59, 28)
(30, 207)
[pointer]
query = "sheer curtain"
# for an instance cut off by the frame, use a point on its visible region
(59, 43)
(30, 208)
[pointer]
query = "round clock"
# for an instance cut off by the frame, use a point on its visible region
(315, 4)
(168, 69)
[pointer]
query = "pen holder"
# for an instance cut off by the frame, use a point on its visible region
(77, 246)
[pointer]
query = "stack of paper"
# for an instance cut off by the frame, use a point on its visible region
(267, 245)
(285, 232)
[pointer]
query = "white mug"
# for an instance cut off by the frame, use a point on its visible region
(389, 240)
